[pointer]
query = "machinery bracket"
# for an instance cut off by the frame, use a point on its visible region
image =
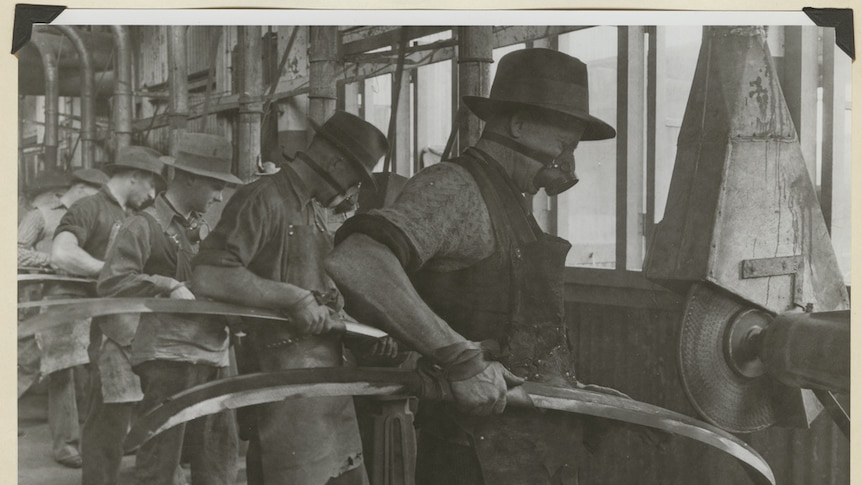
(784, 265)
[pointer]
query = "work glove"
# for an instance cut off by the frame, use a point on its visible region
(478, 385)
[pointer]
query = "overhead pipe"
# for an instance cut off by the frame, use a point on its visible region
(88, 106)
(322, 59)
(50, 139)
(178, 82)
(122, 86)
(250, 100)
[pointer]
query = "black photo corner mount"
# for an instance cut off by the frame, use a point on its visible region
(842, 20)
(28, 14)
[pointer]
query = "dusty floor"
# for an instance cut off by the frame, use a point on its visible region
(35, 464)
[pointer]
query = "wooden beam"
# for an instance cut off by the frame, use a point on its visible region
(509, 35)
(622, 146)
(828, 146)
(356, 42)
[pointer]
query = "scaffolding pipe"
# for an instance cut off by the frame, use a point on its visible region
(50, 139)
(474, 62)
(178, 83)
(88, 101)
(323, 60)
(122, 87)
(250, 100)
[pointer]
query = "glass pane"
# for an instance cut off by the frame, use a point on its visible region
(841, 163)
(587, 213)
(378, 105)
(434, 111)
(677, 48)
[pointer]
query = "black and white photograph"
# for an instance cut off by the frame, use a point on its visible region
(446, 247)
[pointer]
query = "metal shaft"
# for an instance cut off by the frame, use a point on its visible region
(809, 350)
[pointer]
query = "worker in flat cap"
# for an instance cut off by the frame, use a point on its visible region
(458, 269)
(81, 243)
(267, 251)
(55, 353)
(151, 257)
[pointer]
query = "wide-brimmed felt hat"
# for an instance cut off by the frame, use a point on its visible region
(543, 80)
(205, 155)
(138, 158)
(90, 176)
(356, 138)
(48, 180)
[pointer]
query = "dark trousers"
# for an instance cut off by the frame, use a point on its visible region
(63, 414)
(103, 435)
(210, 441)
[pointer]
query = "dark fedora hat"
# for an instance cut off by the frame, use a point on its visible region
(47, 180)
(543, 80)
(356, 138)
(90, 176)
(137, 158)
(205, 155)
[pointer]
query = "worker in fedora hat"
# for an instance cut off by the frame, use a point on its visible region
(267, 250)
(151, 257)
(61, 350)
(80, 246)
(459, 269)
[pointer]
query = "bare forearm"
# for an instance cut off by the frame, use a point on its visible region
(241, 286)
(378, 292)
(67, 256)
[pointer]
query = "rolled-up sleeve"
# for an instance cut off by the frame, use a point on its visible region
(123, 272)
(79, 220)
(442, 214)
(240, 234)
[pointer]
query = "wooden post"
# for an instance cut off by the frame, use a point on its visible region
(178, 83)
(323, 60)
(474, 60)
(799, 85)
(250, 100)
(401, 161)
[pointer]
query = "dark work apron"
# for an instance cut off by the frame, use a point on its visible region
(515, 298)
(304, 441)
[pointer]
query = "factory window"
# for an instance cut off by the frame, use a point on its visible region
(377, 104)
(586, 214)
(433, 87)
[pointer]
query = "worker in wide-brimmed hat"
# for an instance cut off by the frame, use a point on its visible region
(60, 349)
(458, 269)
(151, 257)
(267, 250)
(80, 245)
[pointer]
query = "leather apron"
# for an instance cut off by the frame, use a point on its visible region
(304, 441)
(515, 298)
(64, 346)
(110, 347)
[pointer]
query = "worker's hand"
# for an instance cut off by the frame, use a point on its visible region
(381, 352)
(309, 317)
(384, 348)
(182, 293)
(485, 392)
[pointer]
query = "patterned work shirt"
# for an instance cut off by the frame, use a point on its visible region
(444, 217)
(36, 233)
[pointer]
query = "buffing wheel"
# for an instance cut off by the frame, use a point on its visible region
(721, 374)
